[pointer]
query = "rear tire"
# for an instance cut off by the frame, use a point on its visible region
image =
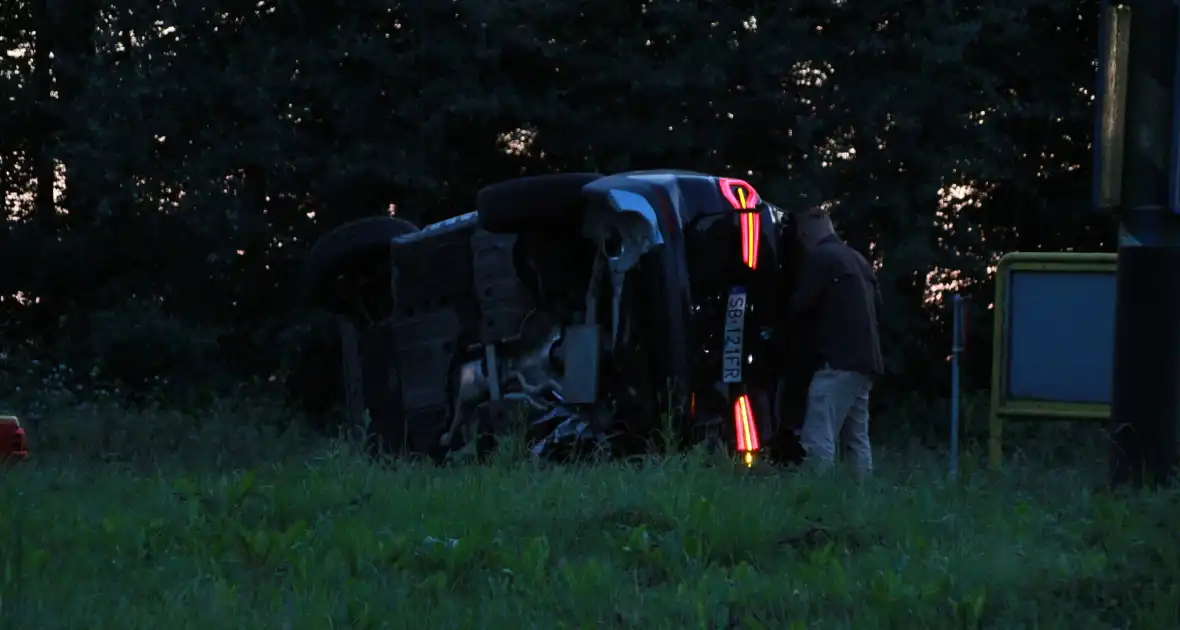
(348, 273)
(509, 207)
(348, 255)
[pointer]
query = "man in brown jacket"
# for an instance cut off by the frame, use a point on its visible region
(835, 306)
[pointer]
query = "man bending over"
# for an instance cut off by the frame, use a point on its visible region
(835, 303)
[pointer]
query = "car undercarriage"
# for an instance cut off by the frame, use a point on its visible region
(580, 311)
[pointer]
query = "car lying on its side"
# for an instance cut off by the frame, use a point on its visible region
(604, 311)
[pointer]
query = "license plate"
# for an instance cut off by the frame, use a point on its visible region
(735, 332)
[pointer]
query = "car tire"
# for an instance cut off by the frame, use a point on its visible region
(356, 247)
(510, 206)
(352, 379)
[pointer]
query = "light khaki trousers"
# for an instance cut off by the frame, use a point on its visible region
(838, 409)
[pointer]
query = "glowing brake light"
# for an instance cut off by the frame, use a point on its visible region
(744, 199)
(746, 428)
(751, 229)
(738, 193)
(13, 442)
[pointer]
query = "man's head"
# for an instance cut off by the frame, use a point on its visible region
(813, 226)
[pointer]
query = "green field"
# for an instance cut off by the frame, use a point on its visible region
(300, 535)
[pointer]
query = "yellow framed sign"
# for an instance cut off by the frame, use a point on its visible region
(1053, 341)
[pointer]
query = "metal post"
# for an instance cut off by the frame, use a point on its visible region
(956, 350)
(1146, 379)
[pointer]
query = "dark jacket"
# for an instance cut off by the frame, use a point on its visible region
(836, 302)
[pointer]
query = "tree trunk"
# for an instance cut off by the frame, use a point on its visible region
(43, 204)
(74, 23)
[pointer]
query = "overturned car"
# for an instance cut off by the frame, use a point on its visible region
(590, 311)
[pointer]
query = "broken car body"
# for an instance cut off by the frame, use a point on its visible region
(585, 310)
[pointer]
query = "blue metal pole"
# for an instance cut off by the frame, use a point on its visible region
(956, 349)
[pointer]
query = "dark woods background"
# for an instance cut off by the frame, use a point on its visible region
(167, 164)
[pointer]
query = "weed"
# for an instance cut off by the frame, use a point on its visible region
(211, 520)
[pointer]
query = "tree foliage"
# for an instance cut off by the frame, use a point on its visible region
(204, 145)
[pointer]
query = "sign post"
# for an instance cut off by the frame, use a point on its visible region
(1144, 406)
(957, 345)
(1053, 341)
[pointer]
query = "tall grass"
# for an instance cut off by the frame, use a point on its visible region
(233, 518)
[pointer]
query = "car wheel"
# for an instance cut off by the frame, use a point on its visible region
(521, 203)
(352, 255)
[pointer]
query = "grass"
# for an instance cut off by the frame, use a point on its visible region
(156, 529)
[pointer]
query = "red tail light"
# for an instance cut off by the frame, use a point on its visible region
(744, 199)
(738, 193)
(751, 228)
(13, 442)
(745, 427)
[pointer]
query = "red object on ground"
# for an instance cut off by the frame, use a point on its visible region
(14, 444)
